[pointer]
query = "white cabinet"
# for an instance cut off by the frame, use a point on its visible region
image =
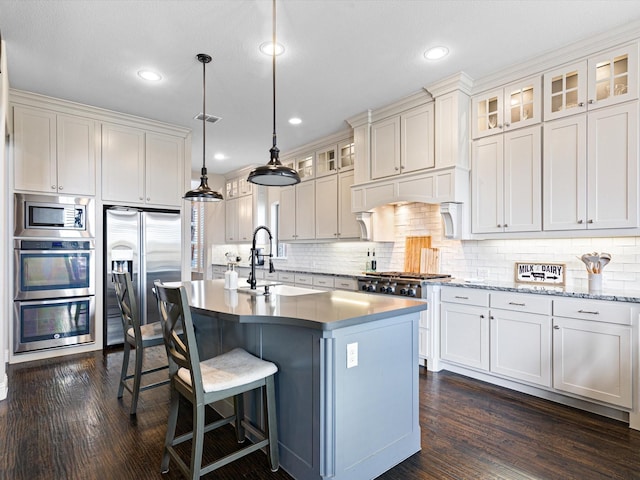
(239, 219)
(506, 182)
(297, 212)
(305, 166)
(323, 282)
(346, 283)
(592, 350)
(521, 337)
(507, 108)
(590, 170)
(464, 327)
(141, 167)
(403, 143)
(333, 215)
(54, 153)
(605, 79)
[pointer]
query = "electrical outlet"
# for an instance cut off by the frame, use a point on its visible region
(352, 355)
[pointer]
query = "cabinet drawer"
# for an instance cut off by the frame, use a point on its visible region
(323, 281)
(346, 283)
(467, 296)
(270, 276)
(215, 269)
(303, 279)
(521, 302)
(286, 277)
(600, 311)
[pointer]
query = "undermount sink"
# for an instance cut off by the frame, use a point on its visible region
(291, 291)
(283, 290)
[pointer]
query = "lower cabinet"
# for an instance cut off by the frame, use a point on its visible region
(593, 358)
(464, 327)
(574, 346)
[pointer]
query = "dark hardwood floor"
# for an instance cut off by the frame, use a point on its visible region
(62, 420)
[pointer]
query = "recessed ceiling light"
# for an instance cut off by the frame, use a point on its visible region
(267, 48)
(436, 53)
(149, 75)
(295, 121)
(219, 156)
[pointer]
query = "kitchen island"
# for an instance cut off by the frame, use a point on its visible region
(347, 381)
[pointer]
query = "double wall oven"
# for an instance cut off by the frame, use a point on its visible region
(54, 272)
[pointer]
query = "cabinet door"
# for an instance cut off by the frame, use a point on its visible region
(523, 180)
(565, 174)
(305, 166)
(326, 161)
(164, 171)
(245, 218)
(34, 137)
(76, 155)
(348, 226)
(464, 335)
(593, 359)
(612, 167)
(305, 211)
(521, 346)
(231, 220)
(565, 91)
(385, 148)
(287, 217)
(522, 103)
(487, 114)
(122, 164)
(326, 207)
(613, 76)
(417, 148)
(487, 187)
(346, 155)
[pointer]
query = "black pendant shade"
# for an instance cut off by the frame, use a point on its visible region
(274, 174)
(203, 193)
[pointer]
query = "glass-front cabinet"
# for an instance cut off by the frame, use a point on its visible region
(513, 106)
(346, 155)
(326, 161)
(304, 166)
(604, 79)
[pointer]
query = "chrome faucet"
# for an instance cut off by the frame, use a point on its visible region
(254, 254)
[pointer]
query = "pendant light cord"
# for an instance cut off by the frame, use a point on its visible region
(204, 93)
(273, 63)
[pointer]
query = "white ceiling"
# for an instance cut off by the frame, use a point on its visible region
(342, 57)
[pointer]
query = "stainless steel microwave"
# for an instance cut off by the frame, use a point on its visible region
(53, 216)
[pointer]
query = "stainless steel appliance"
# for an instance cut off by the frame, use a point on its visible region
(53, 216)
(407, 284)
(54, 278)
(147, 244)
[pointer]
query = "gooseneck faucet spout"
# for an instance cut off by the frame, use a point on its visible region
(254, 254)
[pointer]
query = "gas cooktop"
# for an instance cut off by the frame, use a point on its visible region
(407, 275)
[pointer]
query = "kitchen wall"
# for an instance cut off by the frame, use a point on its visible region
(491, 260)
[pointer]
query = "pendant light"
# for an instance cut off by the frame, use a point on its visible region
(203, 193)
(274, 174)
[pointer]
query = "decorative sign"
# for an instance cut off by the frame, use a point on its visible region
(541, 273)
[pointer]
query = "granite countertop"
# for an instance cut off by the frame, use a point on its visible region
(322, 310)
(632, 296)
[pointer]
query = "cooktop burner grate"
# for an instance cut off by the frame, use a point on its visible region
(408, 275)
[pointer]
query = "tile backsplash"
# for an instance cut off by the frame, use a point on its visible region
(479, 259)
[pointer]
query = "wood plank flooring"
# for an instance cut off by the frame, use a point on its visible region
(62, 420)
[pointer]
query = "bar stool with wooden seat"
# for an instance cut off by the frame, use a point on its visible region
(138, 337)
(228, 375)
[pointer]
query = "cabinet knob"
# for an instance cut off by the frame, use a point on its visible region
(580, 221)
(396, 168)
(500, 125)
(148, 199)
(60, 187)
(491, 317)
(481, 316)
(499, 226)
(581, 104)
(140, 198)
(590, 221)
(505, 225)
(556, 327)
(591, 102)
(507, 125)
(53, 187)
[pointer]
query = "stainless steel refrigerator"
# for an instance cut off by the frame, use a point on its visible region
(147, 244)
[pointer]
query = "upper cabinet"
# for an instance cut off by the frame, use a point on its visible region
(54, 153)
(507, 108)
(297, 212)
(403, 143)
(605, 79)
(141, 167)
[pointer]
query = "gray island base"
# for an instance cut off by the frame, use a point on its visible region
(340, 416)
